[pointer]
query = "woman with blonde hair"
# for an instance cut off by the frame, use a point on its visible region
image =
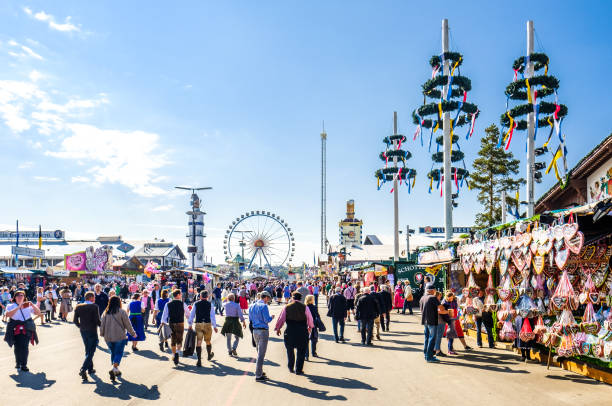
(316, 318)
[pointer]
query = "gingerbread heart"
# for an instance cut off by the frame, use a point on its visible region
(545, 248)
(524, 249)
(593, 297)
(569, 230)
(538, 264)
(503, 265)
(561, 258)
(588, 252)
(465, 262)
(518, 260)
(533, 247)
(558, 232)
(559, 302)
(576, 242)
(526, 239)
(507, 252)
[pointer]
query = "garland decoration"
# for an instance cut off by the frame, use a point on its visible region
(446, 92)
(395, 163)
(531, 92)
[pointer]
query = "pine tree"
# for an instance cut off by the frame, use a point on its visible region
(493, 170)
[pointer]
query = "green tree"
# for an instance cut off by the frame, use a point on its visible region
(493, 171)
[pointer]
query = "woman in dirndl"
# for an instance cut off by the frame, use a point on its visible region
(453, 328)
(231, 325)
(398, 299)
(135, 313)
(243, 300)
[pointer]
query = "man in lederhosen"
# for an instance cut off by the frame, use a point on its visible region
(204, 314)
(174, 315)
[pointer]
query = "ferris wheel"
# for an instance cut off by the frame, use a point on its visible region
(259, 238)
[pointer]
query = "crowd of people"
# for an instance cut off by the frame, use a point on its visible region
(185, 318)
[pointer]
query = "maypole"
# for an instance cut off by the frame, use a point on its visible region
(447, 91)
(531, 88)
(396, 174)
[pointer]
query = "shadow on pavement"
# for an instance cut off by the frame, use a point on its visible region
(492, 368)
(343, 364)
(151, 355)
(386, 347)
(214, 368)
(309, 393)
(345, 383)
(575, 378)
(125, 390)
(37, 381)
(250, 359)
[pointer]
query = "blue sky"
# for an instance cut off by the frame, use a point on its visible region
(105, 106)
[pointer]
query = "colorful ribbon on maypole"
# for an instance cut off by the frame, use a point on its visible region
(512, 126)
(471, 129)
(553, 163)
(536, 113)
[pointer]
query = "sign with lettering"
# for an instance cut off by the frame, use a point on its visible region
(441, 230)
(32, 235)
(436, 256)
(28, 252)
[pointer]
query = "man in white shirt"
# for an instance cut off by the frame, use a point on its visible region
(174, 315)
(204, 314)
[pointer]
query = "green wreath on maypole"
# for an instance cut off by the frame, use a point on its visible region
(395, 153)
(531, 92)
(436, 102)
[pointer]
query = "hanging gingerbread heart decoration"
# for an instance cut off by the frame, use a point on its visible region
(561, 258)
(518, 260)
(558, 232)
(538, 264)
(575, 243)
(569, 230)
(503, 265)
(533, 247)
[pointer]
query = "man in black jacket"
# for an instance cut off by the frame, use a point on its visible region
(87, 319)
(101, 298)
(337, 310)
(367, 310)
(387, 306)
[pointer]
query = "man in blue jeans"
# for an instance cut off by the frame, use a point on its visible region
(429, 305)
(87, 319)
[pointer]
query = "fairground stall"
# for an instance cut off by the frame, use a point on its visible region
(547, 279)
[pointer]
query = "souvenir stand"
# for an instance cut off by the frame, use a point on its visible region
(547, 280)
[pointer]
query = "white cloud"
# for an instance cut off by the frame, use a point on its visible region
(165, 207)
(35, 76)
(128, 158)
(46, 178)
(79, 179)
(31, 53)
(66, 26)
(26, 52)
(26, 165)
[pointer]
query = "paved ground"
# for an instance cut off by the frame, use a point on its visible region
(392, 373)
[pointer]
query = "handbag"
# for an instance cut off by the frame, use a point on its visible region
(189, 345)
(164, 332)
(319, 324)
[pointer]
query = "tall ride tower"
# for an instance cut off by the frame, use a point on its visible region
(196, 228)
(323, 191)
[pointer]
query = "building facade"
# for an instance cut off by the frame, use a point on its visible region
(350, 228)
